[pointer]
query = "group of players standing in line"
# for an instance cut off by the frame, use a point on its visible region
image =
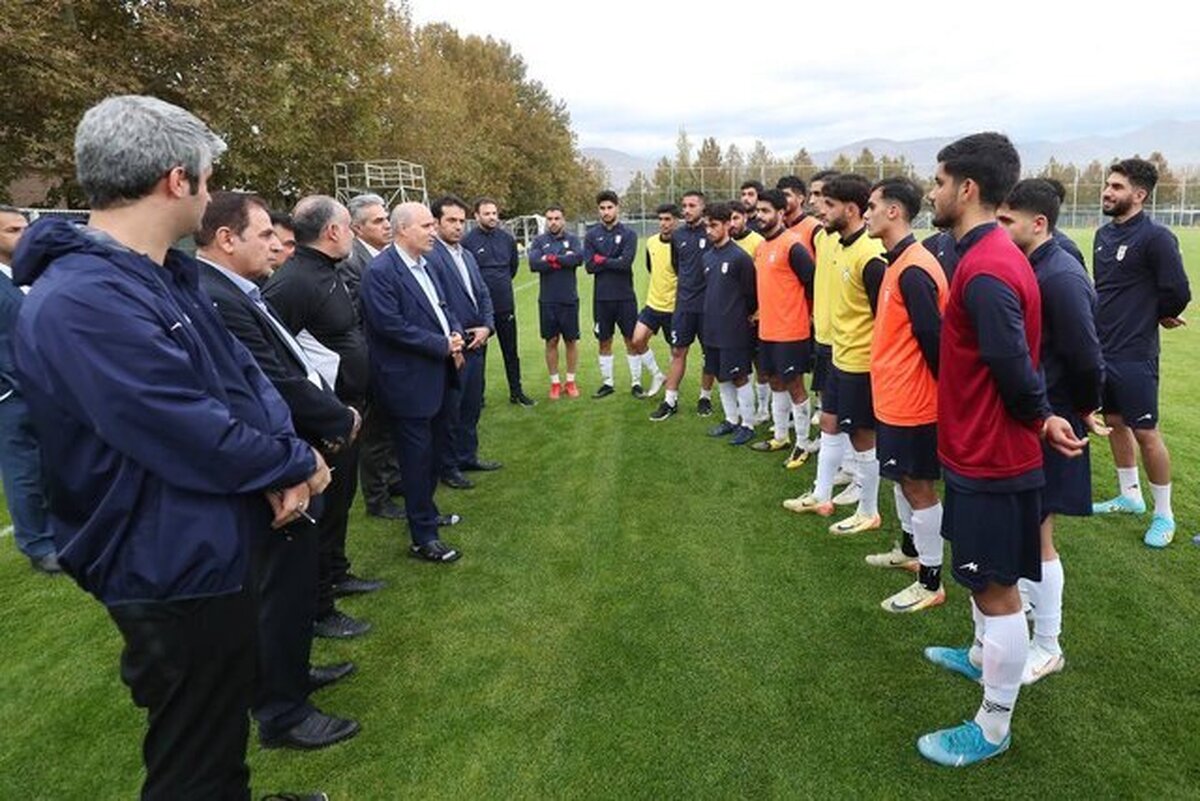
(983, 355)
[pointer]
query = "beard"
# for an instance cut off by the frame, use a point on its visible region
(1117, 209)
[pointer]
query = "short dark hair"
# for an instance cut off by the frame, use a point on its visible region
(1058, 188)
(282, 219)
(823, 175)
(555, 207)
(739, 206)
(722, 212)
(438, 207)
(849, 188)
(1037, 196)
(755, 185)
(227, 210)
(667, 208)
(693, 193)
(774, 198)
(903, 191)
(792, 182)
(7, 209)
(989, 159)
(480, 202)
(608, 196)
(1141, 173)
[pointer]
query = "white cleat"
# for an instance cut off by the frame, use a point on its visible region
(1041, 663)
(842, 477)
(849, 496)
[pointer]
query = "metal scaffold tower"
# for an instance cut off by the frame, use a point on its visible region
(395, 181)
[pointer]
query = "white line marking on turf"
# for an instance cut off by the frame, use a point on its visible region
(525, 285)
(7, 530)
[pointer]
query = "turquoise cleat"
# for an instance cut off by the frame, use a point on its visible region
(1119, 505)
(955, 659)
(1160, 533)
(960, 746)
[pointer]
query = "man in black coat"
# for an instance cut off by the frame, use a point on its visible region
(234, 248)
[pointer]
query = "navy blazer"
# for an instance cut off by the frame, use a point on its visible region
(410, 362)
(471, 313)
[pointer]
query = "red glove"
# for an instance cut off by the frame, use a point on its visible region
(597, 259)
(552, 260)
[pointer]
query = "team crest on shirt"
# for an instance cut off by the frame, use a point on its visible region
(1121, 252)
(724, 268)
(703, 242)
(618, 239)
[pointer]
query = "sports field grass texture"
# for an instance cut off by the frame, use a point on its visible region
(637, 617)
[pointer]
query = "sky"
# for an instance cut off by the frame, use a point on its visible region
(821, 76)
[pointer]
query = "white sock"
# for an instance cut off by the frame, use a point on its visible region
(570, 378)
(672, 397)
(745, 400)
(554, 378)
(706, 393)
(1047, 596)
(927, 535)
(1161, 493)
(801, 420)
(904, 509)
(868, 474)
(763, 396)
(1005, 648)
(1127, 480)
(635, 368)
(781, 405)
(729, 401)
(975, 654)
(828, 459)
(651, 364)
(606, 369)
(848, 464)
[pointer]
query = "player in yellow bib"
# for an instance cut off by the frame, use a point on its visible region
(655, 316)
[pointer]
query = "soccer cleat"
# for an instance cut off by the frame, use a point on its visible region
(761, 417)
(704, 407)
(856, 524)
(797, 458)
(914, 598)
(1041, 663)
(555, 391)
(957, 660)
(896, 558)
(664, 411)
(572, 389)
(742, 435)
(724, 428)
(604, 391)
(637, 391)
(849, 495)
(1160, 533)
(841, 477)
(816, 418)
(960, 746)
(770, 445)
(812, 446)
(808, 503)
(1120, 505)
(656, 384)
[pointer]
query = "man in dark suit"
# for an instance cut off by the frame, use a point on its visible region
(315, 306)
(234, 242)
(416, 346)
(379, 474)
(468, 297)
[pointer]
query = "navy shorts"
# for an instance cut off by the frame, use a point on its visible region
(907, 451)
(994, 537)
(727, 364)
(786, 360)
(1131, 390)
(848, 395)
(614, 314)
(1068, 489)
(686, 327)
(822, 364)
(559, 319)
(656, 321)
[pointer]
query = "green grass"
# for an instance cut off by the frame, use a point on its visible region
(636, 616)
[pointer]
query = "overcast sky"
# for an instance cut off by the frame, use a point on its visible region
(823, 75)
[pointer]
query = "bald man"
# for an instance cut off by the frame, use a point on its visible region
(416, 346)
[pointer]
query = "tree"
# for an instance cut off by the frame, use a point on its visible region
(709, 167)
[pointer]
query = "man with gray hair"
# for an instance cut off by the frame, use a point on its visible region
(378, 471)
(314, 304)
(166, 448)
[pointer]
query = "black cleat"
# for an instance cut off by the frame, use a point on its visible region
(704, 407)
(604, 391)
(663, 411)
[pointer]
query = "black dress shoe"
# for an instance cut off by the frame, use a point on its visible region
(318, 730)
(457, 481)
(47, 564)
(435, 551)
(340, 626)
(396, 489)
(323, 675)
(482, 466)
(521, 399)
(448, 520)
(353, 585)
(387, 510)
(296, 797)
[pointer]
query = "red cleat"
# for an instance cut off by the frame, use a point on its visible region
(572, 390)
(555, 390)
